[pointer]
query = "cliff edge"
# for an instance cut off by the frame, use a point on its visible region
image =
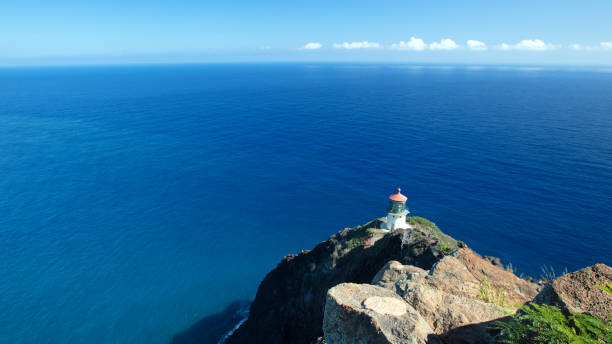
(414, 285)
(290, 301)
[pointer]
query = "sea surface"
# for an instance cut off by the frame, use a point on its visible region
(136, 200)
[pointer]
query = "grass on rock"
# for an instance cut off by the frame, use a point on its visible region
(446, 244)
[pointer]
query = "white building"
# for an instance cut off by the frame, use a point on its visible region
(396, 213)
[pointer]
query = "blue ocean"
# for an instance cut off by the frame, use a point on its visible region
(136, 200)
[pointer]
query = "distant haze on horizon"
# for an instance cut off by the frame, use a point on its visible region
(480, 32)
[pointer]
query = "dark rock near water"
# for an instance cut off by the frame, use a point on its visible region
(212, 328)
(414, 285)
(289, 304)
(495, 261)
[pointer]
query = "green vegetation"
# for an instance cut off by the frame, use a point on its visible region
(542, 324)
(535, 323)
(375, 231)
(446, 244)
(354, 238)
(487, 294)
(606, 287)
(443, 247)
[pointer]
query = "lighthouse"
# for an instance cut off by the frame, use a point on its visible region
(396, 213)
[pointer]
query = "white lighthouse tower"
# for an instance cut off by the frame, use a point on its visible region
(396, 213)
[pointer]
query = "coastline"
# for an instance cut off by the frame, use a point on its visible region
(313, 294)
(215, 328)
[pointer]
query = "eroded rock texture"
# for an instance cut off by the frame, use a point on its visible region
(362, 313)
(451, 298)
(578, 291)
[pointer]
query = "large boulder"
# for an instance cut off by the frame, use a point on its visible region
(459, 296)
(394, 274)
(362, 313)
(578, 291)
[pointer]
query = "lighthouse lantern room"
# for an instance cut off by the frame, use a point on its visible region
(396, 213)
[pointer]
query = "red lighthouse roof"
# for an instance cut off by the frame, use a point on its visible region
(398, 197)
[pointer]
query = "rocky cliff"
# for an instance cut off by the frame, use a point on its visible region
(289, 304)
(414, 285)
(458, 300)
(450, 303)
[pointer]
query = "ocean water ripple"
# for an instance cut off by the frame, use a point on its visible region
(140, 199)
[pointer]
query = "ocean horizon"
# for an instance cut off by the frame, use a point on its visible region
(139, 199)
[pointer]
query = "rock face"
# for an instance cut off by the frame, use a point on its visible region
(577, 291)
(459, 295)
(456, 299)
(515, 290)
(362, 313)
(289, 304)
(414, 285)
(212, 327)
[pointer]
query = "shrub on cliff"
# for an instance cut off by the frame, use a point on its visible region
(446, 243)
(535, 323)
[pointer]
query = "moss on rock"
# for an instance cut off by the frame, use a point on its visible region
(446, 243)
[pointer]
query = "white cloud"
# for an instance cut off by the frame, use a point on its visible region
(357, 45)
(312, 46)
(444, 44)
(413, 44)
(606, 45)
(529, 45)
(576, 47)
(417, 44)
(476, 45)
(601, 46)
(580, 47)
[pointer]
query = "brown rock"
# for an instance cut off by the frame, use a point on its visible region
(494, 260)
(447, 296)
(443, 296)
(577, 291)
(516, 290)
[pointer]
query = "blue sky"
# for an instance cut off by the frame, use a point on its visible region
(110, 31)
